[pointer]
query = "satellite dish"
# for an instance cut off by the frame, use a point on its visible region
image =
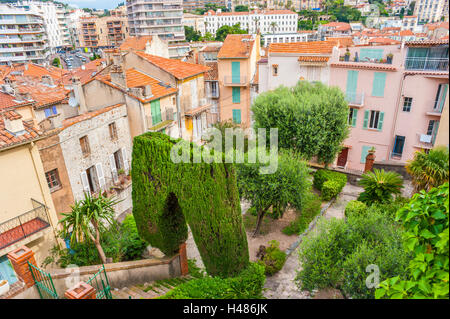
(72, 100)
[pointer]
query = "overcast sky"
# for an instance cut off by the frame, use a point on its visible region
(97, 4)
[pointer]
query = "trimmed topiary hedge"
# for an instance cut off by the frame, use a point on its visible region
(273, 259)
(330, 183)
(167, 196)
(355, 207)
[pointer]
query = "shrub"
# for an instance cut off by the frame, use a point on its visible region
(248, 285)
(330, 183)
(273, 259)
(355, 207)
(131, 244)
(194, 270)
(330, 189)
(379, 186)
(304, 218)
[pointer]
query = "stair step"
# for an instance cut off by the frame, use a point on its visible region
(119, 294)
(141, 292)
(130, 293)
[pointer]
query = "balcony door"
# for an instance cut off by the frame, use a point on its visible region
(441, 94)
(236, 72)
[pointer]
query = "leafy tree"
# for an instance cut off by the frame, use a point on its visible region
(56, 62)
(207, 37)
(241, 8)
(379, 186)
(191, 34)
(273, 26)
(311, 118)
(426, 221)
(289, 185)
(429, 170)
(225, 30)
(88, 218)
(411, 8)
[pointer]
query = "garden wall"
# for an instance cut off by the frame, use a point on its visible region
(395, 167)
(120, 275)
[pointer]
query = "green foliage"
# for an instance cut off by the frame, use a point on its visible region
(355, 207)
(167, 195)
(56, 62)
(194, 270)
(310, 210)
(330, 183)
(247, 285)
(241, 8)
(225, 30)
(191, 34)
(341, 12)
(273, 259)
(311, 118)
(429, 170)
(337, 254)
(379, 186)
(130, 243)
(426, 223)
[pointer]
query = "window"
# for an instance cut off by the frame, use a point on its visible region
(440, 97)
(379, 81)
(214, 89)
(113, 131)
(156, 112)
(53, 180)
(118, 160)
(84, 143)
(236, 72)
(398, 145)
(236, 95)
(90, 180)
(50, 111)
(407, 101)
(352, 115)
(274, 69)
(237, 116)
(373, 120)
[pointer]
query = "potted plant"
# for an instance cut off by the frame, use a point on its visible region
(347, 55)
(389, 58)
(4, 286)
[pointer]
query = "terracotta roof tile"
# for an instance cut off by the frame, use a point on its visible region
(313, 58)
(136, 43)
(317, 47)
(363, 65)
(179, 69)
(88, 115)
(7, 139)
(384, 41)
(236, 46)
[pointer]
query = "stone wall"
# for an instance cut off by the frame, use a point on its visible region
(394, 167)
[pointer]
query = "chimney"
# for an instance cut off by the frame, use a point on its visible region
(117, 59)
(47, 80)
(137, 91)
(79, 94)
(13, 123)
(23, 96)
(148, 91)
(118, 77)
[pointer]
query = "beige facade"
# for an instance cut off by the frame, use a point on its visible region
(108, 31)
(442, 138)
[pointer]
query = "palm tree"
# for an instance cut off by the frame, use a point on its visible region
(379, 186)
(429, 170)
(273, 25)
(87, 220)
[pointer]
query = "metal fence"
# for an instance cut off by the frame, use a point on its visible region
(100, 282)
(430, 64)
(44, 283)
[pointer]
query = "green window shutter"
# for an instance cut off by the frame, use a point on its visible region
(236, 72)
(236, 95)
(435, 130)
(364, 152)
(380, 121)
(379, 82)
(352, 80)
(156, 112)
(366, 119)
(355, 114)
(237, 116)
(443, 96)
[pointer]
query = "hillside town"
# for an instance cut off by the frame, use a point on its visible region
(92, 100)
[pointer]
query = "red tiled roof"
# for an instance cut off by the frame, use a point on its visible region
(136, 43)
(406, 33)
(363, 65)
(318, 47)
(338, 26)
(236, 46)
(313, 58)
(425, 43)
(8, 139)
(179, 69)
(384, 41)
(88, 115)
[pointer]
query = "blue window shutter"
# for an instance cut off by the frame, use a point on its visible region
(364, 152)
(47, 112)
(380, 121)
(236, 72)
(236, 95)
(371, 54)
(355, 114)
(366, 119)
(237, 116)
(352, 81)
(379, 81)
(54, 110)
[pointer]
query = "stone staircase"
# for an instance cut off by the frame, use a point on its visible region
(149, 290)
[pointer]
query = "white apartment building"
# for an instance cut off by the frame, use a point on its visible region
(160, 17)
(267, 21)
(55, 21)
(22, 36)
(429, 10)
(285, 38)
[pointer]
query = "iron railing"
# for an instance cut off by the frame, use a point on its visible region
(234, 80)
(356, 99)
(427, 64)
(24, 225)
(101, 284)
(44, 283)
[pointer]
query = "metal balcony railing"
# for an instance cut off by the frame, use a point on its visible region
(24, 225)
(427, 64)
(235, 80)
(355, 99)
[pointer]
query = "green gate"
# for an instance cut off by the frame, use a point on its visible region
(100, 282)
(44, 283)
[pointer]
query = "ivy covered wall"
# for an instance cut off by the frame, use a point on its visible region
(168, 196)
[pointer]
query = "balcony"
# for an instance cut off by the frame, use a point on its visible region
(424, 141)
(427, 64)
(229, 80)
(24, 226)
(167, 118)
(435, 108)
(355, 99)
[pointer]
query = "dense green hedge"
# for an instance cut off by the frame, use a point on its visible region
(247, 285)
(330, 183)
(273, 259)
(355, 207)
(167, 196)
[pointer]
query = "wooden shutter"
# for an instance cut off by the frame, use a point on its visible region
(112, 162)
(355, 114)
(364, 152)
(125, 159)
(85, 183)
(435, 130)
(380, 121)
(352, 81)
(236, 72)
(236, 95)
(379, 82)
(237, 116)
(366, 119)
(100, 175)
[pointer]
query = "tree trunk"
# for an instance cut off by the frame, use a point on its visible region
(261, 214)
(96, 241)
